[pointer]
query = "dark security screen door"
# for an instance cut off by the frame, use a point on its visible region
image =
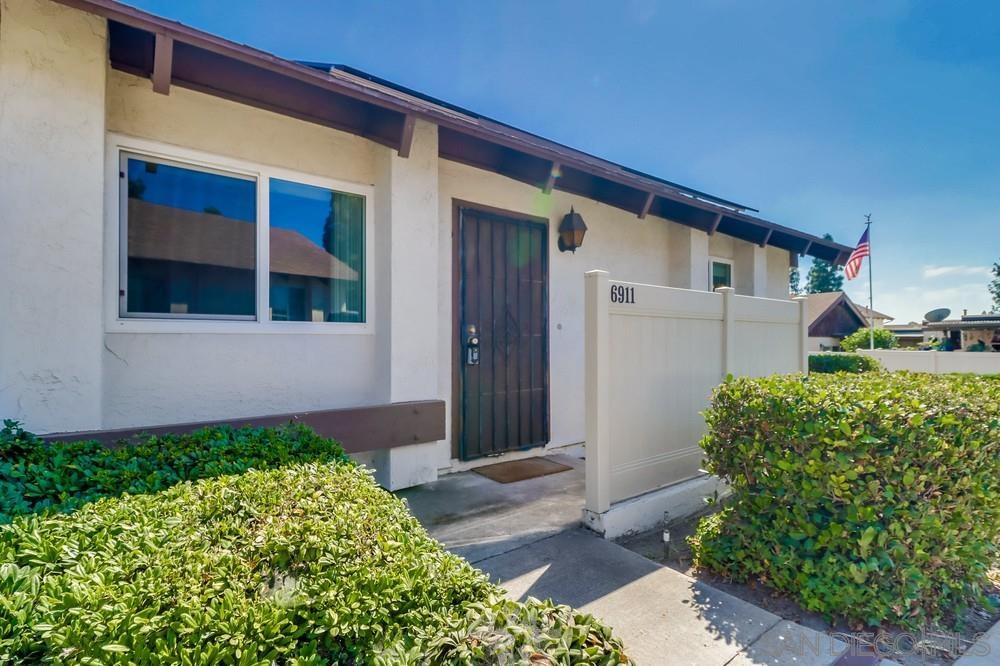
(503, 292)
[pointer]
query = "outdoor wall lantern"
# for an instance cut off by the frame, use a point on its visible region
(571, 231)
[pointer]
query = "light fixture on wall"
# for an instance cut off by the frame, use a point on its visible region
(571, 231)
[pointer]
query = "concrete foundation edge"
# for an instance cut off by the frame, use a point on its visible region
(646, 511)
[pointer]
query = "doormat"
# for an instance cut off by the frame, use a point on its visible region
(519, 470)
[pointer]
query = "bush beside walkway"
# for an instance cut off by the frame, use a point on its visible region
(873, 496)
(306, 563)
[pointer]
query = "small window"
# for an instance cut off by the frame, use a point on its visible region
(190, 242)
(317, 254)
(720, 273)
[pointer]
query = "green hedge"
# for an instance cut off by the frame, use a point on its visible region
(861, 339)
(36, 475)
(841, 362)
(874, 497)
(307, 563)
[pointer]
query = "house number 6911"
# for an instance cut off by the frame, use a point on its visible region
(622, 294)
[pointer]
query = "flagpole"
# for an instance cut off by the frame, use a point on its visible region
(871, 301)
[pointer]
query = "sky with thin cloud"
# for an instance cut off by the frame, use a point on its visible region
(814, 113)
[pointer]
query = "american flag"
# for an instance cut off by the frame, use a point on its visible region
(853, 266)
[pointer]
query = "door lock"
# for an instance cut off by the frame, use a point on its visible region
(471, 345)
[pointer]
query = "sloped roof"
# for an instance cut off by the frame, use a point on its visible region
(867, 312)
(356, 102)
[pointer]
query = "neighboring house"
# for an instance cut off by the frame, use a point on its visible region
(877, 319)
(908, 335)
(833, 316)
(969, 330)
(194, 229)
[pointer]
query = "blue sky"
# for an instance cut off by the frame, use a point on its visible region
(814, 113)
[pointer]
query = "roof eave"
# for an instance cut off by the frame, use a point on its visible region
(765, 232)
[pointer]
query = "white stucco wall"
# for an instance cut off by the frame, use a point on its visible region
(52, 71)
(778, 263)
(152, 378)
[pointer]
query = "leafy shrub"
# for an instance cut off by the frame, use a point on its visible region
(309, 563)
(978, 346)
(860, 339)
(872, 496)
(840, 362)
(36, 475)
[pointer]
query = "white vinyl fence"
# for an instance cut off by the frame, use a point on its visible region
(982, 363)
(653, 356)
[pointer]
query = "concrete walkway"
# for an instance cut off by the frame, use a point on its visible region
(525, 535)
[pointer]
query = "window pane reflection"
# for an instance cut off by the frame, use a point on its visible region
(191, 245)
(317, 254)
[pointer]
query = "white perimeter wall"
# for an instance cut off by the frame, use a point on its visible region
(982, 363)
(654, 354)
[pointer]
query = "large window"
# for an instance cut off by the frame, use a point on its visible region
(200, 243)
(720, 273)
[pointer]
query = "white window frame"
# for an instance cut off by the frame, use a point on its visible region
(119, 145)
(721, 260)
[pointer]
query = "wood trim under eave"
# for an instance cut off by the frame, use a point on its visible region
(647, 205)
(715, 224)
(805, 250)
(406, 136)
(163, 62)
(767, 237)
(554, 173)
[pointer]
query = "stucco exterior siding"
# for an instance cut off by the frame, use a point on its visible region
(68, 362)
(214, 125)
(159, 378)
(53, 63)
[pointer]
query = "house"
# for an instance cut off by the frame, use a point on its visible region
(909, 335)
(833, 316)
(980, 332)
(197, 230)
(872, 318)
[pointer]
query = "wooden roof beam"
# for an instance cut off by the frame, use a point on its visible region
(715, 224)
(647, 205)
(767, 237)
(805, 250)
(406, 135)
(163, 63)
(554, 172)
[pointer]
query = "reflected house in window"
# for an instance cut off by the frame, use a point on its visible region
(184, 262)
(308, 283)
(187, 262)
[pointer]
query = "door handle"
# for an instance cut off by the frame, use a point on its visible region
(471, 345)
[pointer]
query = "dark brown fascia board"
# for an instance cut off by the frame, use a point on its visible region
(374, 93)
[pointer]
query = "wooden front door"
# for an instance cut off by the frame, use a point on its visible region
(503, 282)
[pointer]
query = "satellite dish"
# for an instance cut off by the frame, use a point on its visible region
(937, 315)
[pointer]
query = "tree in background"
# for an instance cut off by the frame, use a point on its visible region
(794, 279)
(824, 276)
(859, 339)
(995, 287)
